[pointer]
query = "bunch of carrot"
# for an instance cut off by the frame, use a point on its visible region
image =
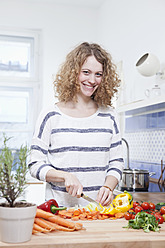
(83, 214)
(46, 222)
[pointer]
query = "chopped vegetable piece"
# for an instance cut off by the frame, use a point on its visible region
(119, 215)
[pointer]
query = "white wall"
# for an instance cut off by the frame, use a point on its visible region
(126, 28)
(62, 27)
(129, 29)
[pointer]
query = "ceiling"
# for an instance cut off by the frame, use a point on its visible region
(89, 3)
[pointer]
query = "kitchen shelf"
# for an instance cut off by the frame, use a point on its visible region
(142, 104)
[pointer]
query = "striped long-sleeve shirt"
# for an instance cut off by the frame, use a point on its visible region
(89, 148)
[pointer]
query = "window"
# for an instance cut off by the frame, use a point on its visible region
(19, 83)
(14, 106)
(16, 56)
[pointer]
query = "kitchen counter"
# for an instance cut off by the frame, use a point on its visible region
(101, 234)
(149, 196)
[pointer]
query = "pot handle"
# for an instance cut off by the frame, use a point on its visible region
(151, 174)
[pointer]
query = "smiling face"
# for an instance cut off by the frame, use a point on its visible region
(90, 76)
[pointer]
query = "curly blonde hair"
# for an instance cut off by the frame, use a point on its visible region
(66, 83)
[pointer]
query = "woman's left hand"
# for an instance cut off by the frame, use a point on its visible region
(105, 196)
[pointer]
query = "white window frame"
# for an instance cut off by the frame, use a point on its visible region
(37, 40)
(22, 83)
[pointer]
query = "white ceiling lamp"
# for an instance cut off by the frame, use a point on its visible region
(148, 65)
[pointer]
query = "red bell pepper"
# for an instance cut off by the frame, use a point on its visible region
(51, 206)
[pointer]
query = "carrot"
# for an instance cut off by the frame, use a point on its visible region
(68, 215)
(60, 228)
(75, 218)
(83, 214)
(43, 223)
(89, 216)
(100, 217)
(70, 210)
(119, 215)
(43, 214)
(63, 212)
(83, 210)
(94, 218)
(34, 231)
(79, 226)
(112, 218)
(39, 228)
(54, 218)
(76, 213)
(105, 216)
(82, 218)
(62, 222)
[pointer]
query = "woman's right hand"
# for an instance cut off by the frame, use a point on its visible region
(73, 185)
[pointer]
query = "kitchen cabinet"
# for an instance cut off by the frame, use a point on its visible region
(141, 104)
(149, 105)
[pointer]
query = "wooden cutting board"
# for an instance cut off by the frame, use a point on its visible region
(98, 234)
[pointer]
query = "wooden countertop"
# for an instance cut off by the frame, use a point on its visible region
(98, 234)
(148, 196)
(101, 234)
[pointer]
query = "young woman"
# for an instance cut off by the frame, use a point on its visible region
(77, 145)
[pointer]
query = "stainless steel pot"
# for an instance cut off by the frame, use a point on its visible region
(135, 180)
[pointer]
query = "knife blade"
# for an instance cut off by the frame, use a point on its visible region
(87, 198)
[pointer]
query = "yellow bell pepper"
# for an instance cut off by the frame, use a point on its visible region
(123, 202)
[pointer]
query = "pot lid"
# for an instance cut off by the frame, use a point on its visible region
(137, 171)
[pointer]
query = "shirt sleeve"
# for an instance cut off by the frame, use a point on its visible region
(38, 164)
(116, 162)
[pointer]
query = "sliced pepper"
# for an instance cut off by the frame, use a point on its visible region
(111, 210)
(102, 209)
(92, 207)
(123, 202)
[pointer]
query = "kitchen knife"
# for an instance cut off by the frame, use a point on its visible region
(87, 198)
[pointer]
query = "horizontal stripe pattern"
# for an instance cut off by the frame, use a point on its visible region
(75, 169)
(77, 130)
(85, 189)
(80, 149)
(115, 169)
(38, 148)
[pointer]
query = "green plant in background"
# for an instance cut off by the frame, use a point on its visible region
(13, 172)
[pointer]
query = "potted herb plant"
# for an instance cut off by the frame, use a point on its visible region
(16, 217)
